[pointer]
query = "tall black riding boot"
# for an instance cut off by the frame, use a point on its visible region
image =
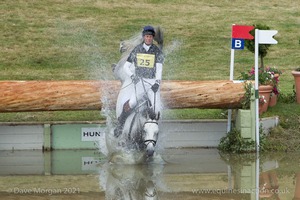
(122, 118)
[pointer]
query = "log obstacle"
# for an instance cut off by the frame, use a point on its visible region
(24, 96)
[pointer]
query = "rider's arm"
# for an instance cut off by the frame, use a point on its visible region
(158, 74)
(127, 68)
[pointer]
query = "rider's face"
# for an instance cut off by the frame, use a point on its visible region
(148, 39)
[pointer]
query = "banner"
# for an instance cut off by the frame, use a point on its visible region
(239, 34)
(266, 36)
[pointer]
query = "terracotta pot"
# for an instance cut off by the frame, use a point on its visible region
(264, 90)
(273, 100)
(296, 75)
(297, 187)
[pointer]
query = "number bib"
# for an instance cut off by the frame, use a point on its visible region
(145, 60)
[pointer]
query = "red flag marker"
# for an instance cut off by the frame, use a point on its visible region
(242, 32)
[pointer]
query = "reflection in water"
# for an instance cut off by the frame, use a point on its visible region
(297, 188)
(268, 184)
(184, 174)
(273, 174)
(131, 181)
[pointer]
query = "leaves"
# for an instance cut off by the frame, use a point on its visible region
(263, 48)
(233, 142)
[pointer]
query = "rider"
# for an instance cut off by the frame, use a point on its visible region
(148, 63)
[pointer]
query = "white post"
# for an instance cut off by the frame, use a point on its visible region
(256, 90)
(230, 78)
(231, 64)
(257, 177)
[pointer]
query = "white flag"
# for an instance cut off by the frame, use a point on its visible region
(266, 36)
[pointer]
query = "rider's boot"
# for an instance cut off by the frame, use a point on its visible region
(122, 118)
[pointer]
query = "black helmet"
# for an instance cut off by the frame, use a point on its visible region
(148, 30)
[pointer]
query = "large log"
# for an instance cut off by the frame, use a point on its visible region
(20, 96)
(202, 94)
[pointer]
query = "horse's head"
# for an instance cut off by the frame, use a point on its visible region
(151, 131)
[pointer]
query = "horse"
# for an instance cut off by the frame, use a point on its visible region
(141, 128)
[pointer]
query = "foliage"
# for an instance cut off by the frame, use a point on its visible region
(247, 96)
(246, 101)
(288, 98)
(280, 139)
(262, 100)
(264, 76)
(275, 74)
(233, 142)
(263, 48)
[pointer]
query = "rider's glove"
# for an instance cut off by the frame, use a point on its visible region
(134, 79)
(155, 86)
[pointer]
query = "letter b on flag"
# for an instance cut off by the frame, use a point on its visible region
(237, 43)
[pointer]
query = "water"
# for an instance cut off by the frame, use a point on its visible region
(175, 174)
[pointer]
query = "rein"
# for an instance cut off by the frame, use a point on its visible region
(139, 105)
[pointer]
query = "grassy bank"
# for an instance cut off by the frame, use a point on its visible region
(67, 40)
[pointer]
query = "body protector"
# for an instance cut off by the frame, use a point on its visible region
(148, 62)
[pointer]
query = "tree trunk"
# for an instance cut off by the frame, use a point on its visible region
(20, 96)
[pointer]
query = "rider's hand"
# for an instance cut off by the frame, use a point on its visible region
(155, 86)
(134, 79)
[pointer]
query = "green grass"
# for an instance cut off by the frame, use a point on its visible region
(78, 40)
(51, 116)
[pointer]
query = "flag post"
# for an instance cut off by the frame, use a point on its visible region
(238, 35)
(232, 57)
(230, 78)
(256, 89)
(261, 37)
(231, 64)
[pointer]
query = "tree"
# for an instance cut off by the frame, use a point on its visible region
(263, 48)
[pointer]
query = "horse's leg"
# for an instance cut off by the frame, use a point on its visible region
(122, 118)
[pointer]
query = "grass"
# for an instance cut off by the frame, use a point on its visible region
(71, 40)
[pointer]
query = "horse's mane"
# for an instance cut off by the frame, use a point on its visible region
(126, 46)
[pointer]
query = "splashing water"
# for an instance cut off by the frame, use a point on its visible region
(86, 44)
(109, 145)
(92, 57)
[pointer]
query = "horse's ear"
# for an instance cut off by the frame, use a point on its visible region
(122, 47)
(159, 37)
(158, 116)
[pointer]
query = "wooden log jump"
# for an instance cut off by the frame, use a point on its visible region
(21, 96)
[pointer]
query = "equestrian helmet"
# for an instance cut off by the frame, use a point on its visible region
(148, 30)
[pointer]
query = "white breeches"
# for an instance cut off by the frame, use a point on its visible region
(144, 91)
(135, 93)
